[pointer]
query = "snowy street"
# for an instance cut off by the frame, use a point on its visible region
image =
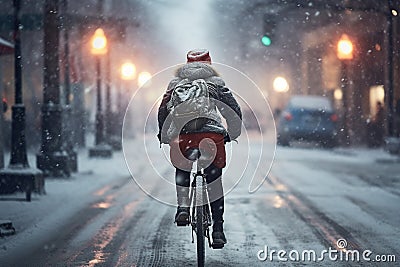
(296, 102)
(312, 198)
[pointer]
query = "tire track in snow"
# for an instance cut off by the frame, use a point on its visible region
(159, 240)
(114, 221)
(326, 229)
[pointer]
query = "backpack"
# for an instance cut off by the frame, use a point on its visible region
(190, 105)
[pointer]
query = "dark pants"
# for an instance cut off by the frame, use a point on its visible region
(215, 192)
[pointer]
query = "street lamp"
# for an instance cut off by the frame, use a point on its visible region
(280, 85)
(345, 48)
(98, 49)
(52, 158)
(19, 175)
(128, 71)
(390, 68)
(69, 128)
(144, 78)
(6, 48)
(127, 74)
(345, 51)
(99, 43)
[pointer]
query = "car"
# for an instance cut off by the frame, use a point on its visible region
(308, 118)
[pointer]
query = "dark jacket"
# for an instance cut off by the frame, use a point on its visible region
(226, 103)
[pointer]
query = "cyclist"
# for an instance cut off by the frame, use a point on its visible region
(198, 66)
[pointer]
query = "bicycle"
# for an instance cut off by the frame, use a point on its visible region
(200, 218)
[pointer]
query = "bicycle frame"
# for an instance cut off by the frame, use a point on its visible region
(200, 218)
(200, 179)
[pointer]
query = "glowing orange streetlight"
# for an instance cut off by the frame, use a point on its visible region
(99, 43)
(345, 48)
(128, 71)
(144, 78)
(280, 85)
(98, 48)
(345, 54)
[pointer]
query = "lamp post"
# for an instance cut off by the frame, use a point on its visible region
(99, 48)
(345, 54)
(108, 112)
(52, 159)
(19, 174)
(6, 48)
(69, 126)
(389, 96)
(281, 86)
(128, 74)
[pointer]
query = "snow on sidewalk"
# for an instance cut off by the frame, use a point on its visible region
(64, 197)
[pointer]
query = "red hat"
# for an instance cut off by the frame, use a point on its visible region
(198, 55)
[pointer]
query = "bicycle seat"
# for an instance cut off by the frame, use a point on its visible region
(193, 154)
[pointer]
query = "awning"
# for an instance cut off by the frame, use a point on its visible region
(6, 48)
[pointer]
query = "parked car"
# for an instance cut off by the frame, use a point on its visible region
(308, 118)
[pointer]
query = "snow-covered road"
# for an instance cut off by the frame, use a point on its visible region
(312, 199)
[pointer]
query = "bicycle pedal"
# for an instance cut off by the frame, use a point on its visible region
(182, 219)
(217, 246)
(182, 223)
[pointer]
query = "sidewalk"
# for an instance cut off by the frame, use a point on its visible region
(378, 155)
(34, 220)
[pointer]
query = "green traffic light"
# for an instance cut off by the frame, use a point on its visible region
(265, 40)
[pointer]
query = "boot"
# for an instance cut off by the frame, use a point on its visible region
(183, 210)
(182, 216)
(217, 206)
(217, 210)
(182, 180)
(219, 239)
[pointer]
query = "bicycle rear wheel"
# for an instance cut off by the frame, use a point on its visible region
(200, 222)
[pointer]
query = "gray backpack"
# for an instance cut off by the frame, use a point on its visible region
(190, 105)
